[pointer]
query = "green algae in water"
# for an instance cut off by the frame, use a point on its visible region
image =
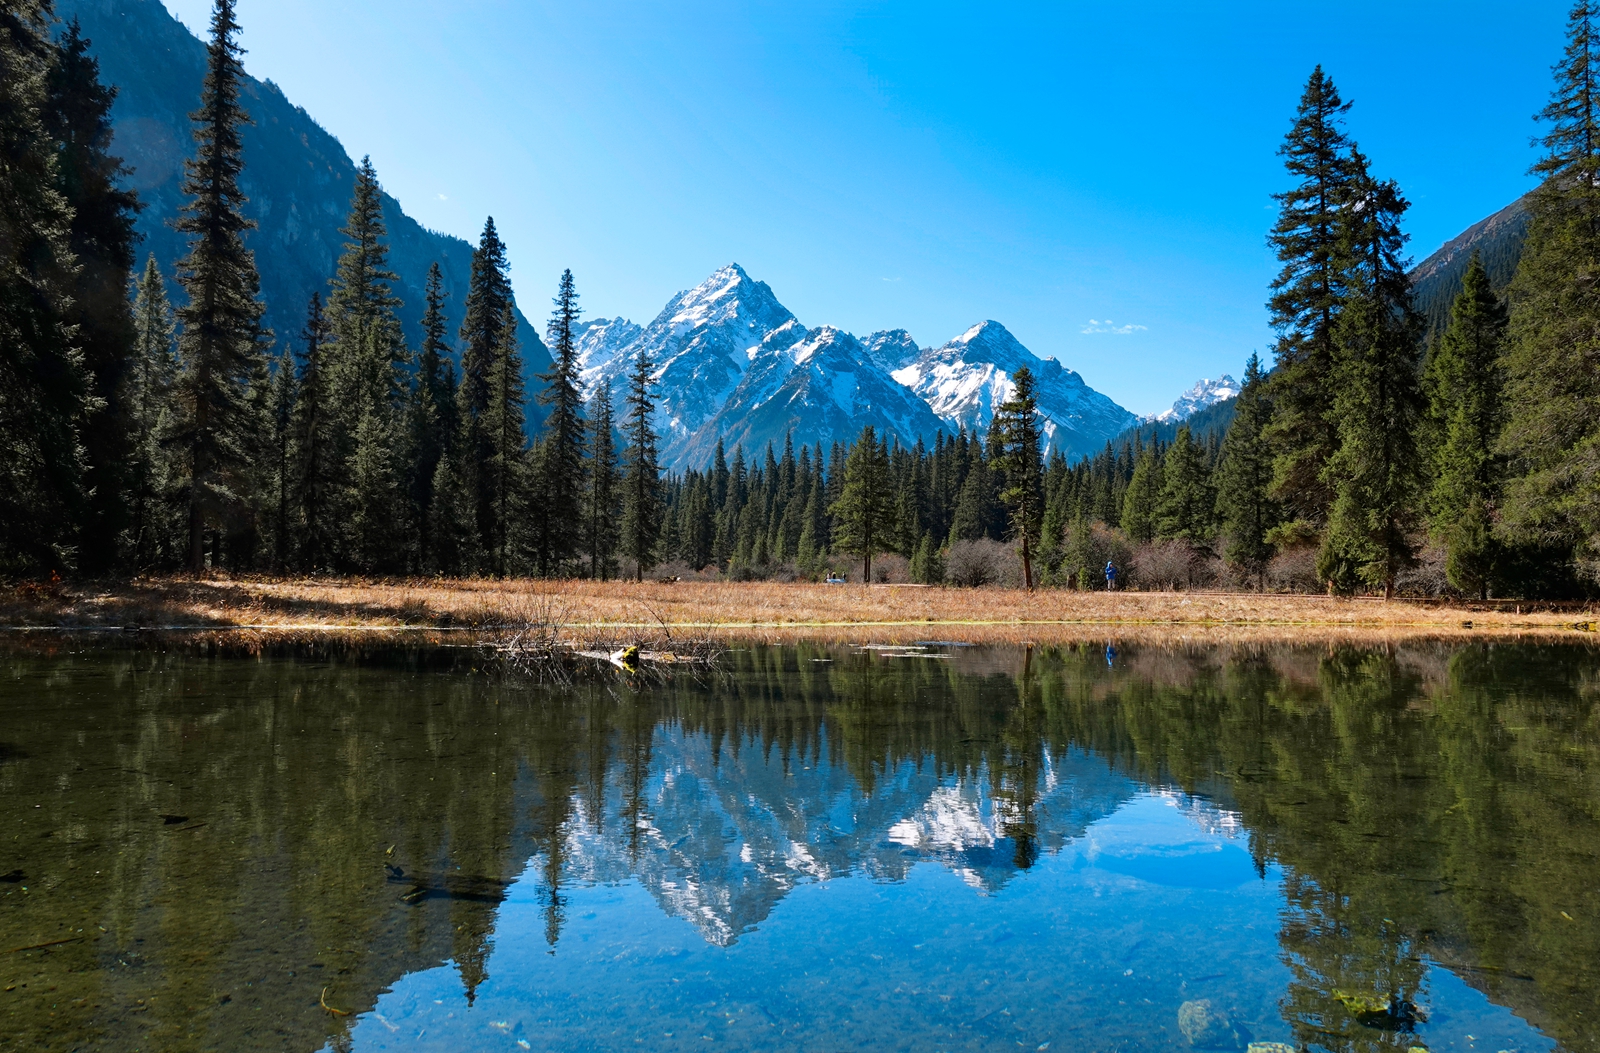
(1004, 850)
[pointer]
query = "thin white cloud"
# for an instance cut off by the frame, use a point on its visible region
(443, 198)
(1108, 326)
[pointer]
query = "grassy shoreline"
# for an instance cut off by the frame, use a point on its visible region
(585, 610)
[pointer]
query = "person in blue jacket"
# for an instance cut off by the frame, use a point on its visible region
(1111, 576)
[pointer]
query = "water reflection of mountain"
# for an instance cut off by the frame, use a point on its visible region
(727, 833)
(257, 837)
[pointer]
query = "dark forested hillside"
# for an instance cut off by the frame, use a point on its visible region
(297, 176)
(1436, 280)
(1204, 424)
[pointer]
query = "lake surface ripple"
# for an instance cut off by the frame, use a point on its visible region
(813, 848)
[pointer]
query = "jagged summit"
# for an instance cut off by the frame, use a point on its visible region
(966, 379)
(1205, 393)
(735, 365)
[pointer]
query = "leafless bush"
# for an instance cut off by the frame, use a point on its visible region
(1294, 570)
(1173, 564)
(1428, 577)
(974, 564)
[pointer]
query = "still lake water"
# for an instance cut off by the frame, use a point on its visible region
(816, 848)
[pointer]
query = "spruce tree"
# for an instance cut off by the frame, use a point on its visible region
(78, 118)
(641, 486)
(862, 516)
(1376, 472)
(148, 389)
(561, 477)
(1016, 426)
(1244, 478)
(45, 394)
(1143, 499)
(433, 423)
(1187, 499)
(1552, 387)
(315, 476)
(1307, 297)
(1466, 404)
(601, 509)
(365, 371)
(482, 323)
(221, 344)
(504, 478)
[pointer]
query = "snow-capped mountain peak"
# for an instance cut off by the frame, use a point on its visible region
(734, 365)
(964, 381)
(1205, 393)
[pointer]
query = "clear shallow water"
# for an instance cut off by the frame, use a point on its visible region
(817, 849)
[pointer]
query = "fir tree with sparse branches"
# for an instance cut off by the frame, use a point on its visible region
(641, 503)
(222, 343)
(561, 474)
(1308, 296)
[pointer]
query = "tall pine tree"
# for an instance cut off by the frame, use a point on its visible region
(1016, 422)
(504, 478)
(561, 477)
(221, 346)
(366, 363)
(482, 324)
(863, 514)
(1307, 297)
(641, 485)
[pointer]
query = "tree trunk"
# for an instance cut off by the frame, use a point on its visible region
(866, 567)
(1027, 564)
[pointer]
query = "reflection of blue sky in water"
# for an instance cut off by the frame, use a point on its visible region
(769, 909)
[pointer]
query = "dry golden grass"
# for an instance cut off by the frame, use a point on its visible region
(759, 610)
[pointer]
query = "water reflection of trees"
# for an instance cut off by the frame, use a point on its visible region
(1427, 803)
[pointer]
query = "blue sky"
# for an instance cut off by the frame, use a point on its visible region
(1097, 177)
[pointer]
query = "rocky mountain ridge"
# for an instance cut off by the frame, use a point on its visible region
(734, 365)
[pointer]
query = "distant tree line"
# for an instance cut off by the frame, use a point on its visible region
(139, 435)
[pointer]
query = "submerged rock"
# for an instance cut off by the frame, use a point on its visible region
(1270, 1047)
(1207, 1027)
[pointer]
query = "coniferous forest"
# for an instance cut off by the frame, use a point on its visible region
(150, 422)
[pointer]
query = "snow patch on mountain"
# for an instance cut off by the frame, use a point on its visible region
(1205, 393)
(818, 388)
(964, 381)
(702, 343)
